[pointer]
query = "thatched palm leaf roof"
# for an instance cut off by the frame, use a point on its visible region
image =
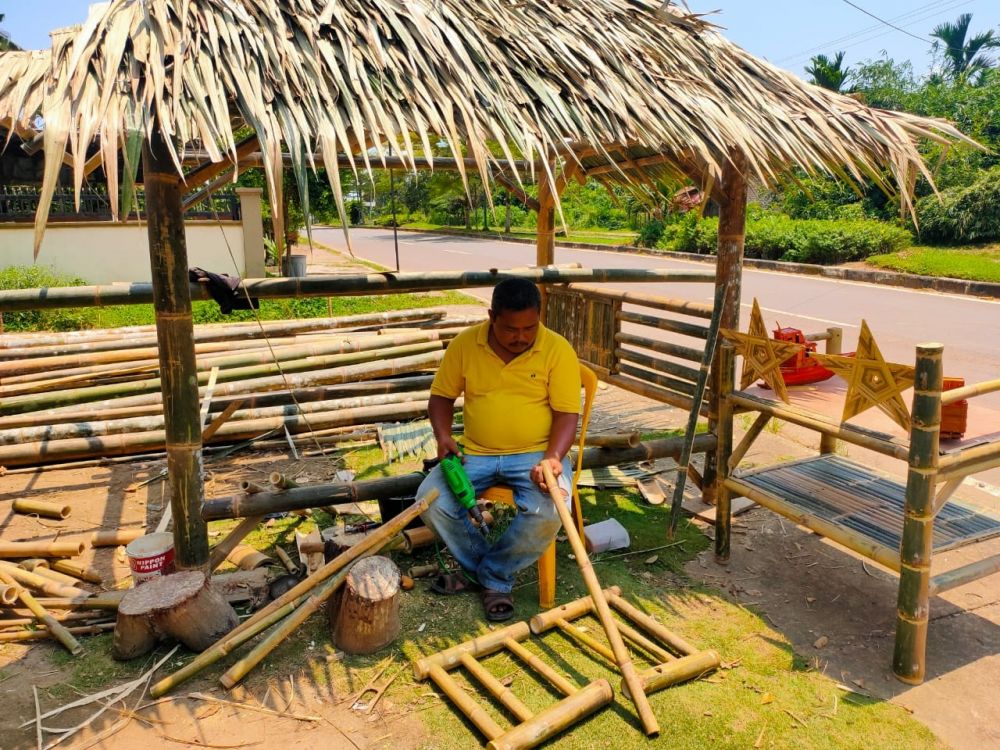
(532, 76)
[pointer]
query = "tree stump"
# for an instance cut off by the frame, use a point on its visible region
(181, 605)
(365, 615)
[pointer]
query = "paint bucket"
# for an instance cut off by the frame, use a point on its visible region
(604, 536)
(151, 556)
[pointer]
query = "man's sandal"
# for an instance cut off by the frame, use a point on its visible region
(449, 584)
(499, 605)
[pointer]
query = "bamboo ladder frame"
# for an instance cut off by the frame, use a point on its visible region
(659, 642)
(533, 729)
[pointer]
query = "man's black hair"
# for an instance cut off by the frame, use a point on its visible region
(515, 295)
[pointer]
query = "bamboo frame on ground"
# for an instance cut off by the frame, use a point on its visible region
(533, 729)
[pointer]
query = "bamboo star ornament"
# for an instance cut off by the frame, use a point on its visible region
(762, 355)
(871, 381)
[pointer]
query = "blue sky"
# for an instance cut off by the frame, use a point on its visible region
(786, 32)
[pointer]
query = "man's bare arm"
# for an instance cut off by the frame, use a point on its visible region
(441, 411)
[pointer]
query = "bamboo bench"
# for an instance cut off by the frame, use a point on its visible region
(899, 525)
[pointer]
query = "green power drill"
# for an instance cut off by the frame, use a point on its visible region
(461, 487)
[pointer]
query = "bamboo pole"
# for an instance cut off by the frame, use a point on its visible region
(917, 544)
(686, 668)
(656, 302)
(497, 689)
(40, 549)
(76, 570)
(335, 285)
(621, 655)
(724, 430)
(834, 345)
(540, 668)
(657, 364)
(285, 604)
(661, 347)
(968, 391)
(574, 633)
(39, 583)
(52, 575)
(663, 324)
(732, 196)
(555, 718)
(55, 629)
(115, 538)
(472, 710)
(621, 440)
(106, 600)
(684, 462)
(171, 298)
(313, 496)
(40, 635)
(651, 626)
(483, 645)
(41, 508)
(547, 620)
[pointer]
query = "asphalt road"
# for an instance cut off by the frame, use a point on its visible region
(899, 318)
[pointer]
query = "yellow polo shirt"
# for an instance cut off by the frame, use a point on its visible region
(508, 407)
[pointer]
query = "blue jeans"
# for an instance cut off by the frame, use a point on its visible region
(529, 534)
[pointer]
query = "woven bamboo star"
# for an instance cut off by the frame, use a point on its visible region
(871, 381)
(762, 355)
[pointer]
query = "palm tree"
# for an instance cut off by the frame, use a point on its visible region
(964, 59)
(828, 73)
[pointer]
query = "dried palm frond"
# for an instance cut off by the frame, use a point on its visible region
(599, 82)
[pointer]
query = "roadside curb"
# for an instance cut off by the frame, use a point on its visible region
(989, 290)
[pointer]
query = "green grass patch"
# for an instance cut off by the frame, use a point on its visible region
(974, 264)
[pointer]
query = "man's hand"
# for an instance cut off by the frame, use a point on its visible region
(446, 444)
(538, 476)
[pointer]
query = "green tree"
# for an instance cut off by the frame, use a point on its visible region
(964, 59)
(5, 42)
(830, 73)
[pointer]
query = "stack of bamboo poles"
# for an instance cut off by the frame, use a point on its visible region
(94, 394)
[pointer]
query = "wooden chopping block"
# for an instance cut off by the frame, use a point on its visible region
(364, 617)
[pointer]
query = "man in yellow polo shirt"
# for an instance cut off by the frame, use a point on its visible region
(521, 384)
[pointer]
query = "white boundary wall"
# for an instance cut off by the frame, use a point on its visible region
(107, 252)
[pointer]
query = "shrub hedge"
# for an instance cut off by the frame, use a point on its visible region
(778, 237)
(962, 215)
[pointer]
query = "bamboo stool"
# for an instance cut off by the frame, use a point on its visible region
(533, 729)
(675, 659)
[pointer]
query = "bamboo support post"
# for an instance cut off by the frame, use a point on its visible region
(55, 629)
(171, 293)
(40, 549)
(686, 668)
(684, 461)
(917, 544)
(834, 345)
(725, 378)
(622, 658)
(41, 508)
(287, 602)
(732, 195)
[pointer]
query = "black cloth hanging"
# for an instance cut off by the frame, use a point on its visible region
(224, 289)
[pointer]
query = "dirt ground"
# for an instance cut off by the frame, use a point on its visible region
(835, 609)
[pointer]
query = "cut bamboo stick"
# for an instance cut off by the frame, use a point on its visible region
(556, 718)
(76, 570)
(622, 659)
(40, 549)
(681, 670)
(41, 508)
(52, 575)
(37, 582)
(115, 538)
(46, 632)
(54, 628)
